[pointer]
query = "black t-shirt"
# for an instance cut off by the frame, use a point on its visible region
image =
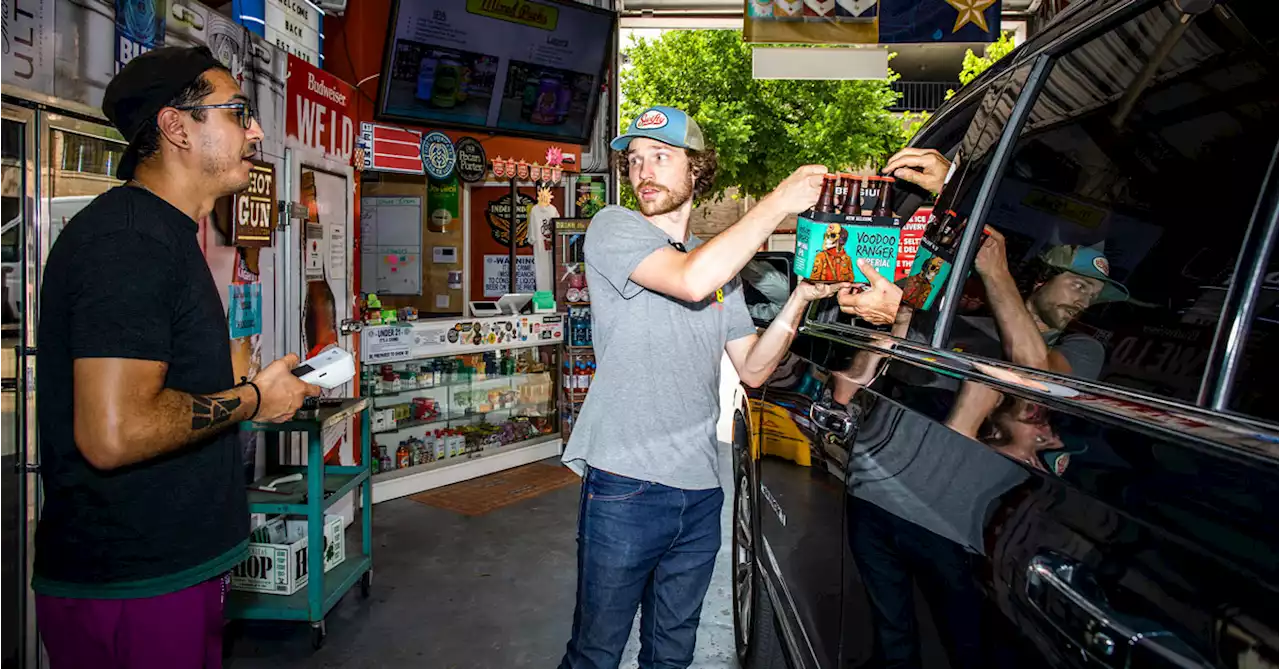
(126, 279)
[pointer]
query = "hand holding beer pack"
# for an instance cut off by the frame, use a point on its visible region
(877, 303)
(798, 192)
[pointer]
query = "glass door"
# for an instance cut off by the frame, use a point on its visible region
(17, 216)
(80, 164)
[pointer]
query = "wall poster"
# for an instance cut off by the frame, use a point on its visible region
(326, 297)
(491, 229)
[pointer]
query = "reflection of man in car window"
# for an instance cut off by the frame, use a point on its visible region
(1031, 327)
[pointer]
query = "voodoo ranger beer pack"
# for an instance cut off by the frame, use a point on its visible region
(835, 234)
(934, 260)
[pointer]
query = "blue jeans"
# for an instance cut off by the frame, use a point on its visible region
(645, 545)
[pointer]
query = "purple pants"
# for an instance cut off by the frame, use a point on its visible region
(180, 630)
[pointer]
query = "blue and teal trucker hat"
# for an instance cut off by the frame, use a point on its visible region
(664, 124)
(1089, 262)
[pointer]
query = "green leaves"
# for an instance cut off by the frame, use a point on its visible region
(973, 65)
(762, 130)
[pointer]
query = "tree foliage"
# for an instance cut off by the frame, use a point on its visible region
(973, 64)
(762, 129)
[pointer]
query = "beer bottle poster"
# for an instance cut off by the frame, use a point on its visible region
(326, 297)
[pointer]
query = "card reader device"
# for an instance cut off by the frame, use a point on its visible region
(329, 369)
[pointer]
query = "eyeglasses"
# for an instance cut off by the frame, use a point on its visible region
(244, 111)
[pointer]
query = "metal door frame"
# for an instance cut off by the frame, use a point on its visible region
(27, 456)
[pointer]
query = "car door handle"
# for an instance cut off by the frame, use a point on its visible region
(832, 418)
(1068, 598)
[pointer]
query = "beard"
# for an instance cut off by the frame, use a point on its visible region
(227, 171)
(668, 200)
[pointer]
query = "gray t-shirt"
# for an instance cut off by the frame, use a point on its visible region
(653, 406)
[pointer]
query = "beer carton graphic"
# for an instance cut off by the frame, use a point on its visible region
(929, 272)
(828, 246)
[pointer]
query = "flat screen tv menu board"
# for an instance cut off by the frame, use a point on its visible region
(518, 67)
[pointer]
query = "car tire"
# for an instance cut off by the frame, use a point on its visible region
(754, 624)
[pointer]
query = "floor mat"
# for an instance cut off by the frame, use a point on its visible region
(487, 493)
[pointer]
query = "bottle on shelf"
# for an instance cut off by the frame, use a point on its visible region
(384, 460)
(437, 445)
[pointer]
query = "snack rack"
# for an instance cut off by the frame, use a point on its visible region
(572, 292)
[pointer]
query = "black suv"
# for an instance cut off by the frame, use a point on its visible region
(1068, 459)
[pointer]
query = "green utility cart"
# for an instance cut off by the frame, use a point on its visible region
(321, 486)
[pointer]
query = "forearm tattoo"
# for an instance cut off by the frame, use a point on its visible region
(210, 412)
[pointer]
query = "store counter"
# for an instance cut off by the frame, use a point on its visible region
(454, 399)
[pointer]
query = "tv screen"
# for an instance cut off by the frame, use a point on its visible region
(516, 67)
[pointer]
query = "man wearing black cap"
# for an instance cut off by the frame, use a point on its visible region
(145, 510)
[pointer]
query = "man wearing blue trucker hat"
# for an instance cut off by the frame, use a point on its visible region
(1031, 323)
(666, 307)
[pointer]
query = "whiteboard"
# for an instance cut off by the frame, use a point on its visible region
(391, 245)
(391, 221)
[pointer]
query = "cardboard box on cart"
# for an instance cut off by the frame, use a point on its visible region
(277, 562)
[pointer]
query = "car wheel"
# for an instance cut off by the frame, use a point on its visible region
(754, 626)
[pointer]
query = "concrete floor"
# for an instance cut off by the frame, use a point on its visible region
(451, 592)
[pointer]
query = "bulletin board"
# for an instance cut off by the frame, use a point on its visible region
(391, 245)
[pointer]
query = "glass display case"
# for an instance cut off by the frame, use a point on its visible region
(457, 399)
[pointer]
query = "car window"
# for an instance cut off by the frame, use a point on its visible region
(925, 284)
(766, 285)
(1125, 196)
(967, 138)
(1254, 391)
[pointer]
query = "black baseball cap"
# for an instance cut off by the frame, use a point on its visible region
(144, 86)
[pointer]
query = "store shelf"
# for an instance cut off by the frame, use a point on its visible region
(577, 304)
(291, 498)
(471, 383)
(413, 480)
(244, 605)
(579, 348)
(460, 415)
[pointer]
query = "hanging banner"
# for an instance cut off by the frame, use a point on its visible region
(388, 149)
(139, 28)
(810, 21)
(870, 21)
(319, 112)
(916, 22)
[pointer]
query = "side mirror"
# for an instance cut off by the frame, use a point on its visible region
(767, 282)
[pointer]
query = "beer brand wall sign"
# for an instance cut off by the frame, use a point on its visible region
(438, 155)
(390, 149)
(320, 114)
(254, 208)
(139, 28)
(472, 163)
